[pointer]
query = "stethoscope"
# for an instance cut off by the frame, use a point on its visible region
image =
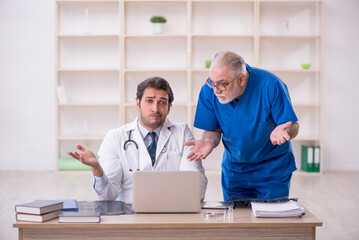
(129, 141)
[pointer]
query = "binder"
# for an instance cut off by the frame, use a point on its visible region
(316, 159)
(310, 158)
(307, 158)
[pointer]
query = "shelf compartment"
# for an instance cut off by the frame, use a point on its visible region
(204, 48)
(230, 18)
(309, 120)
(138, 14)
(279, 53)
(177, 81)
(198, 79)
(158, 53)
(70, 146)
(289, 18)
(303, 86)
(99, 88)
(86, 121)
(88, 18)
(80, 53)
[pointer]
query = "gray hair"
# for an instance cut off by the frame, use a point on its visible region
(233, 61)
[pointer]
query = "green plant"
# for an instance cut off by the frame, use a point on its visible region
(158, 19)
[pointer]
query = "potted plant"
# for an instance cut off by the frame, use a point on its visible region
(157, 23)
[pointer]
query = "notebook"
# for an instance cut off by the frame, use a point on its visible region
(166, 192)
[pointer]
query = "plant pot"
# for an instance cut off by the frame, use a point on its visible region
(157, 28)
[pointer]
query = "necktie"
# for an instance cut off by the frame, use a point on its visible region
(152, 148)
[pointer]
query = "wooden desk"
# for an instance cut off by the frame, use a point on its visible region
(176, 226)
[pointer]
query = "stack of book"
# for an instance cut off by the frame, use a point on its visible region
(38, 211)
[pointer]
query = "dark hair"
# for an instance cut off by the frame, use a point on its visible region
(157, 83)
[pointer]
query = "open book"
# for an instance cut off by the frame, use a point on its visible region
(280, 209)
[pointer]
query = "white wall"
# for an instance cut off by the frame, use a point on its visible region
(341, 85)
(27, 83)
(27, 78)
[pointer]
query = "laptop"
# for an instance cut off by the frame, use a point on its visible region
(166, 192)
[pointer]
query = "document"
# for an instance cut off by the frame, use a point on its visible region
(282, 209)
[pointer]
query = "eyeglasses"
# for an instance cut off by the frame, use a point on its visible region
(220, 86)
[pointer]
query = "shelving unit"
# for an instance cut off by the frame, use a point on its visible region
(105, 48)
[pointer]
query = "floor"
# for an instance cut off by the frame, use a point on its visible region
(333, 197)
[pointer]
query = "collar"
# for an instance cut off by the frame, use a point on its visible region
(144, 131)
(134, 125)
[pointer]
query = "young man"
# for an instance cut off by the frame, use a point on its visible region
(252, 111)
(151, 142)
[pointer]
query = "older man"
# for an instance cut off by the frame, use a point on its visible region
(252, 111)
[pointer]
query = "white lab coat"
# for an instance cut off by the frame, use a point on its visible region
(116, 184)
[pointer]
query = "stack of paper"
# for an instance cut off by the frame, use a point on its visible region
(282, 209)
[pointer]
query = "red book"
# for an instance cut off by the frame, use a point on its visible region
(37, 217)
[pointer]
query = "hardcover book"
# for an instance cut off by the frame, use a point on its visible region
(37, 217)
(79, 217)
(39, 207)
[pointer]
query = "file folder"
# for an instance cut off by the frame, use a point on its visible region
(316, 159)
(307, 158)
(310, 161)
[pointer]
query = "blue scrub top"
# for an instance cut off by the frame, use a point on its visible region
(246, 127)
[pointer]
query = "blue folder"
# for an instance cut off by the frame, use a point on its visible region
(69, 204)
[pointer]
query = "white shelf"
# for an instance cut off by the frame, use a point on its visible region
(293, 70)
(146, 70)
(222, 35)
(289, 36)
(81, 138)
(145, 1)
(227, 1)
(88, 1)
(88, 36)
(105, 48)
(306, 138)
(296, 104)
(88, 69)
(291, 1)
(95, 104)
(156, 36)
